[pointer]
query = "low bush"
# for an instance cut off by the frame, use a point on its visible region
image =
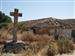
(65, 45)
(22, 26)
(4, 25)
(53, 49)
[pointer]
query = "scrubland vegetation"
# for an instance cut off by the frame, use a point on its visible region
(39, 45)
(43, 45)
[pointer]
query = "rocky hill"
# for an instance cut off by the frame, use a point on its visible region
(50, 22)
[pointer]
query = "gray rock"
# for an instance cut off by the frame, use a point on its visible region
(13, 47)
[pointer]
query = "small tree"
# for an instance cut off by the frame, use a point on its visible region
(4, 20)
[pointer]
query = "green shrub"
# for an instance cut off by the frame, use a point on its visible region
(4, 25)
(22, 26)
(4, 18)
(53, 49)
(65, 45)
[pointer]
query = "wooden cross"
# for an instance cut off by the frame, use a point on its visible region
(16, 15)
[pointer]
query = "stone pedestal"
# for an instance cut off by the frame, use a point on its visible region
(14, 47)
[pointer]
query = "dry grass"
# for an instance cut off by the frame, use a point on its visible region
(38, 42)
(65, 45)
(30, 36)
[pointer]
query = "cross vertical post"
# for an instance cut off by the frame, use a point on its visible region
(16, 15)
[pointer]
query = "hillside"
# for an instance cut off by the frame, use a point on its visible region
(50, 22)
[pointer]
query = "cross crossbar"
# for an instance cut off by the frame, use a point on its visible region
(15, 13)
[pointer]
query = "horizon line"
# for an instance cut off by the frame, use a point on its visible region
(46, 17)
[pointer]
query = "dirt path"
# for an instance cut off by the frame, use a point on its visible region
(44, 51)
(70, 54)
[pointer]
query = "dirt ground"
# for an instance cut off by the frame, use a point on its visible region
(70, 54)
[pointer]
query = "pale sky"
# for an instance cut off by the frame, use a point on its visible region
(36, 9)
